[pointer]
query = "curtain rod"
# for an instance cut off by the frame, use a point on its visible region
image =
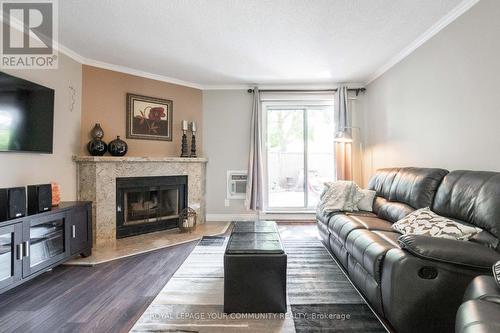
(357, 90)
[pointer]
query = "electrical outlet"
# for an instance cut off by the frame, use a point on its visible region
(226, 203)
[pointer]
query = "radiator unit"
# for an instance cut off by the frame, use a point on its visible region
(236, 184)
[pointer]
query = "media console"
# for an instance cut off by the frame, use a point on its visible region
(33, 244)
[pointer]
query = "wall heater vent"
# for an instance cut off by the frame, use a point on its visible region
(236, 184)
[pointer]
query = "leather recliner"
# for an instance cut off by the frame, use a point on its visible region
(415, 282)
(480, 311)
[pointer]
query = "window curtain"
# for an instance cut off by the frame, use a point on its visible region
(343, 129)
(255, 180)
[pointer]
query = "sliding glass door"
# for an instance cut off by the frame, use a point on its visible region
(299, 154)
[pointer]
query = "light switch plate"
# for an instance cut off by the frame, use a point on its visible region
(227, 203)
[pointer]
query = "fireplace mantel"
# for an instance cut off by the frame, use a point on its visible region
(133, 159)
(97, 183)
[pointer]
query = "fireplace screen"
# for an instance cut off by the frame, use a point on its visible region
(147, 204)
(151, 205)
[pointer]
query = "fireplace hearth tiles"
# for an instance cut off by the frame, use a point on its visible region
(131, 246)
(97, 183)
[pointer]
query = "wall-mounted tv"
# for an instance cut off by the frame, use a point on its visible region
(26, 115)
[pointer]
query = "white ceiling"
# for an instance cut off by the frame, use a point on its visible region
(211, 43)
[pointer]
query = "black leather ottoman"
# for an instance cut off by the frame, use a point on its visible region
(255, 269)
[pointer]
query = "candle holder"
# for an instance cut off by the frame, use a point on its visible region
(193, 140)
(184, 145)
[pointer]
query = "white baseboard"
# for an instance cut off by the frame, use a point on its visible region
(288, 216)
(262, 216)
(230, 217)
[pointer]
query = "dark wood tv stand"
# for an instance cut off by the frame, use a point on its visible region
(31, 245)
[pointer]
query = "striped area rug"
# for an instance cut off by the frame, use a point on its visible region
(320, 297)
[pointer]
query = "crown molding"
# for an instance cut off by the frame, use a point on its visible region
(428, 34)
(124, 69)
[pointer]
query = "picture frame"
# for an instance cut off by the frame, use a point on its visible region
(149, 118)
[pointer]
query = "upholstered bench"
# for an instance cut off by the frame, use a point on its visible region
(255, 269)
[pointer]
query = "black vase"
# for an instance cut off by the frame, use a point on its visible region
(97, 147)
(118, 147)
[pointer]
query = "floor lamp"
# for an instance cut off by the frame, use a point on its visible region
(344, 136)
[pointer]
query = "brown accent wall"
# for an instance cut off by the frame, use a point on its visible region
(104, 101)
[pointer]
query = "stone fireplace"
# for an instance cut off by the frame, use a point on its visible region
(122, 204)
(147, 204)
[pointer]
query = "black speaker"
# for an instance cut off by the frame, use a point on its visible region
(12, 203)
(39, 198)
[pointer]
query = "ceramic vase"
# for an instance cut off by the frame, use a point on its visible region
(118, 147)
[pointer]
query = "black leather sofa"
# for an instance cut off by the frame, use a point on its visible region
(416, 282)
(480, 311)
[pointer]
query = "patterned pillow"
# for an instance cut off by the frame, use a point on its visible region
(426, 222)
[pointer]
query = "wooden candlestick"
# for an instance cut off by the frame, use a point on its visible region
(193, 145)
(184, 145)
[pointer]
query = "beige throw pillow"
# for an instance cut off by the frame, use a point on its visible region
(366, 203)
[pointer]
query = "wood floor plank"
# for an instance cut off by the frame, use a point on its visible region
(108, 297)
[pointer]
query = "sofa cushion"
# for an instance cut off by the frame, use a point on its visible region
(323, 218)
(486, 239)
(391, 211)
(368, 249)
(416, 186)
(381, 182)
(471, 196)
(341, 225)
(389, 236)
(372, 222)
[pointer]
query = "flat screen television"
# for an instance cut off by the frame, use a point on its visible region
(26, 115)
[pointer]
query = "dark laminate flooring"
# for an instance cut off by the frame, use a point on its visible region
(108, 297)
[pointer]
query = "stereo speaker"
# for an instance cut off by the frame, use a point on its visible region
(12, 203)
(39, 198)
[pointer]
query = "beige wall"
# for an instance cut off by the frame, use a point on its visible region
(20, 169)
(440, 106)
(104, 102)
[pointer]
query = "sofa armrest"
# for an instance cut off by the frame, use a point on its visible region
(462, 253)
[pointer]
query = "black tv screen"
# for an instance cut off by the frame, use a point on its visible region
(26, 115)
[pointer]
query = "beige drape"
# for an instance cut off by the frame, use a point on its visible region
(255, 181)
(343, 150)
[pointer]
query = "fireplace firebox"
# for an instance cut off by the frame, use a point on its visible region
(148, 204)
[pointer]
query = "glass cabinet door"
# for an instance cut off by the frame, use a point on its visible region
(10, 254)
(47, 243)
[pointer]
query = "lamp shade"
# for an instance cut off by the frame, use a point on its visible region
(343, 136)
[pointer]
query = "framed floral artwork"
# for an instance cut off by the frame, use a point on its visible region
(149, 118)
